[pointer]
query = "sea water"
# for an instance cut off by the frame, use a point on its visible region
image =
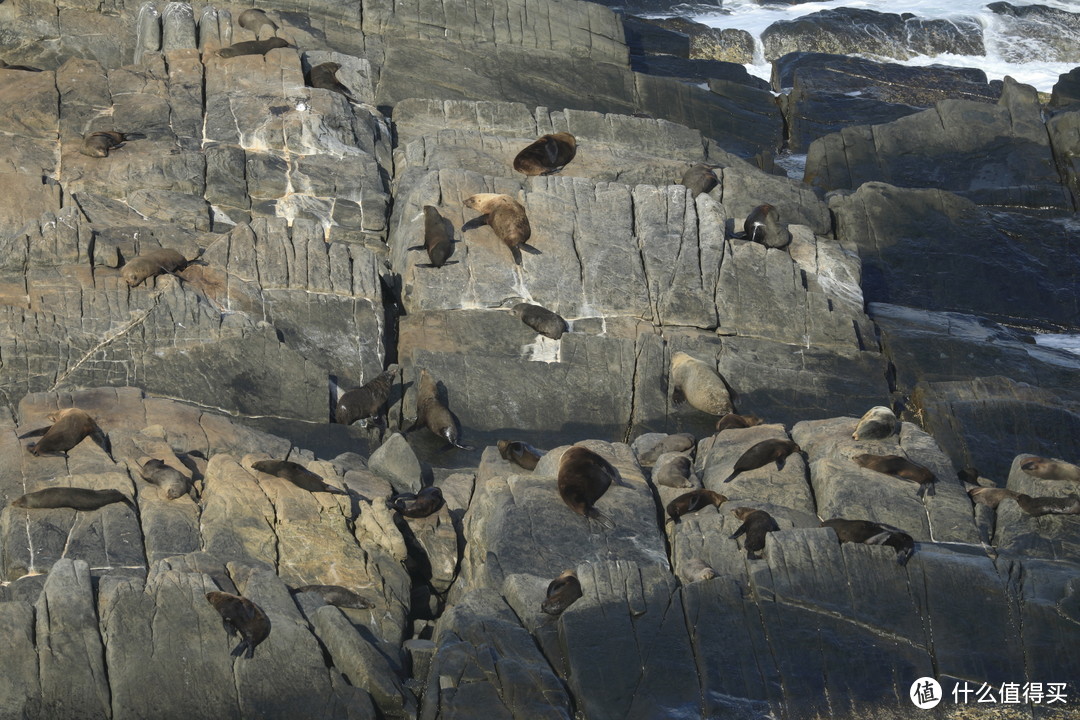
(1008, 51)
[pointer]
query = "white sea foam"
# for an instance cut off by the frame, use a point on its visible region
(1071, 343)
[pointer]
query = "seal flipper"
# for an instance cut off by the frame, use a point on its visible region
(35, 433)
(740, 531)
(604, 521)
(732, 476)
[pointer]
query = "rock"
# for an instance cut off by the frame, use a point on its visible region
(648, 38)
(1066, 90)
(1050, 34)
(1064, 127)
(396, 462)
(20, 689)
(437, 544)
(707, 43)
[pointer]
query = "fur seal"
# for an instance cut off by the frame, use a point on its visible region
(763, 226)
(561, 593)
(240, 614)
(252, 47)
(520, 453)
(583, 478)
(547, 154)
(507, 219)
(733, 421)
(1048, 469)
(871, 533)
(324, 77)
(695, 570)
(254, 19)
(70, 427)
(417, 505)
(437, 241)
(763, 453)
(98, 144)
(431, 413)
(900, 467)
(877, 423)
(367, 400)
(693, 501)
(25, 68)
(71, 497)
(541, 320)
(152, 264)
(297, 474)
(173, 482)
(990, 497)
(1037, 506)
(699, 383)
(672, 470)
(700, 178)
(755, 524)
(337, 596)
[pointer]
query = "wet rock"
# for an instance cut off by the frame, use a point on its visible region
(707, 43)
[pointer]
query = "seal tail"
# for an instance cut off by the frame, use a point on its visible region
(903, 555)
(604, 521)
(244, 649)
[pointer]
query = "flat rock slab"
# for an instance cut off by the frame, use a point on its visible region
(1055, 537)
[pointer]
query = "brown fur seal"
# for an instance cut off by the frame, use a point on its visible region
(541, 320)
(254, 19)
(763, 226)
(733, 421)
(755, 524)
(583, 478)
(900, 467)
(240, 614)
(699, 383)
(672, 470)
(763, 453)
(98, 144)
(173, 482)
(367, 400)
(324, 77)
(70, 427)
(437, 239)
(692, 502)
(432, 414)
(1048, 469)
(297, 474)
(417, 505)
(337, 596)
(700, 178)
(1036, 506)
(252, 47)
(25, 68)
(520, 453)
(871, 533)
(561, 593)
(990, 497)
(507, 219)
(879, 422)
(152, 264)
(547, 154)
(71, 497)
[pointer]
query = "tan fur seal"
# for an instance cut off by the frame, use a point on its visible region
(152, 264)
(990, 497)
(547, 154)
(871, 533)
(877, 423)
(763, 453)
(417, 505)
(252, 47)
(900, 467)
(699, 178)
(693, 501)
(520, 453)
(1037, 506)
(763, 226)
(432, 414)
(240, 614)
(699, 383)
(324, 77)
(70, 427)
(437, 239)
(672, 470)
(541, 320)
(734, 421)
(561, 593)
(338, 596)
(695, 570)
(297, 474)
(755, 525)
(173, 482)
(98, 144)
(583, 478)
(254, 20)
(71, 497)
(367, 400)
(506, 217)
(1048, 469)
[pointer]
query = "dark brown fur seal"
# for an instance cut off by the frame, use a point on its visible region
(672, 470)
(252, 47)
(98, 144)
(763, 453)
(878, 423)
(324, 77)
(437, 240)
(871, 533)
(432, 414)
(733, 421)
(254, 19)
(692, 502)
(763, 226)
(173, 482)
(240, 614)
(297, 474)
(755, 524)
(152, 264)
(561, 593)
(70, 427)
(1048, 469)
(25, 68)
(367, 400)
(700, 178)
(337, 596)
(520, 453)
(541, 320)
(71, 497)
(900, 467)
(583, 478)
(1036, 506)
(507, 219)
(547, 154)
(418, 505)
